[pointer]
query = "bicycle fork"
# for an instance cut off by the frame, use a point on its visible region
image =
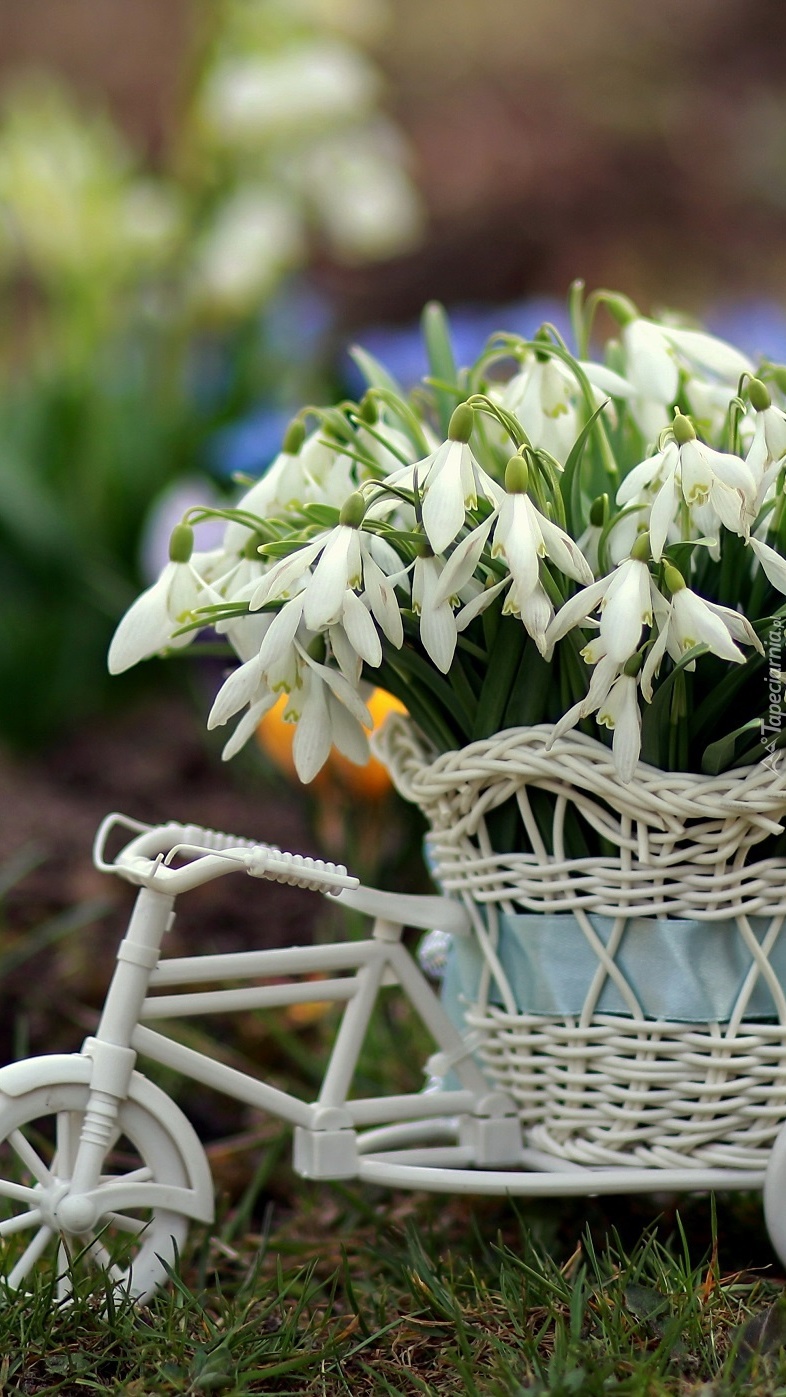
(112, 1057)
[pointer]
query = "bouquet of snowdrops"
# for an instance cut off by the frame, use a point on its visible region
(545, 536)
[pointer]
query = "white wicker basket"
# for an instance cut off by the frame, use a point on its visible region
(622, 1088)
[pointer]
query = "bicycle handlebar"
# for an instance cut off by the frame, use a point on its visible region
(146, 859)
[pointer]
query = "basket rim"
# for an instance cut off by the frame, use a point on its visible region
(405, 749)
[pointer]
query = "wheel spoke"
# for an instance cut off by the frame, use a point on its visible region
(20, 1223)
(67, 1138)
(30, 1256)
(21, 1193)
(136, 1176)
(123, 1223)
(30, 1157)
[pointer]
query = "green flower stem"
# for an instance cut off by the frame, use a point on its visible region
(503, 665)
(395, 678)
(406, 417)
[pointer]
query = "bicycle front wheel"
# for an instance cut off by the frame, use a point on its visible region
(130, 1250)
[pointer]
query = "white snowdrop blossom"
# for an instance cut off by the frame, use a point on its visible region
(624, 599)
(654, 355)
(546, 398)
(620, 712)
(690, 620)
(323, 579)
(449, 481)
(687, 470)
(473, 556)
(767, 448)
(328, 712)
(150, 624)
(438, 629)
(521, 536)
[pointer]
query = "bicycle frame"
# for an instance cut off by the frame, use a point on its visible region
(354, 973)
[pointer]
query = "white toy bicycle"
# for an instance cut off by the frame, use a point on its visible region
(98, 1166)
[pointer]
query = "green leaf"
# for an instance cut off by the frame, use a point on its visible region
(570, 480)
(529, 693)
(442, 364)
(719, 756)
(655, 720)
(375, 374)
(325, 515)
(503, 665)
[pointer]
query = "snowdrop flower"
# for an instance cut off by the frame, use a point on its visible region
(328, 712)
(438, 629)
(273, 97)
(325, 706)
(687, 469)
(256, 236)
(768, 446)
(773, 564)
(358, 183)
(346, 559)
(624, 599)
(690, 620)
(148, 625)
(620, 712)
(546, 398)
(449, 480)
(655, 353)
(521, 536)
(612, 696)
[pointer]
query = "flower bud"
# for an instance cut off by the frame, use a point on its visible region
(632, 666)
(181, 543)
(673, 578)
(599, 511)
(641, 551)
(683, 429)
(353, 510)
(461, 423)
(294, 437)
(368, 409)
(759, 395)
(516, 476)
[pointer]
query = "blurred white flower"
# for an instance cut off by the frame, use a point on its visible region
(310, 85)
(256, 235)
(365, 202)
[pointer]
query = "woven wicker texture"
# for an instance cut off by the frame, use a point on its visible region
(612, 1089)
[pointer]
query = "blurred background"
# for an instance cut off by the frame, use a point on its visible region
(201, 204)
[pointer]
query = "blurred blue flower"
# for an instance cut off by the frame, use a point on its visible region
(757, 327)
(248, 446)
(400, 347)
(298, 322)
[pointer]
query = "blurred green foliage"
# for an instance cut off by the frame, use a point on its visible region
(132, 312)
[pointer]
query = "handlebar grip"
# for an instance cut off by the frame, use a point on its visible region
(297, 870)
